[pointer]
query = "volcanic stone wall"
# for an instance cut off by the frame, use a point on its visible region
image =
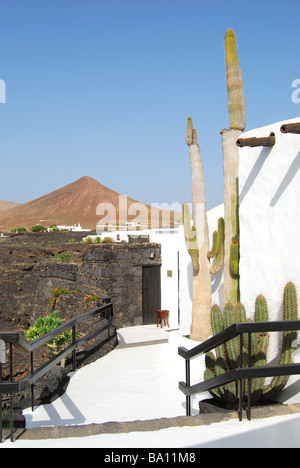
(112, 271)
(27, 277)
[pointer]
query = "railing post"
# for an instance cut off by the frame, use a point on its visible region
(11, 395)
(74, 350)
(188, 383)
(240, 381)
(1, 405)
(32, 385)
(249, 380)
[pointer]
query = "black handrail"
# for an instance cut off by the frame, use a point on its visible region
(242, 373)
(16, 386)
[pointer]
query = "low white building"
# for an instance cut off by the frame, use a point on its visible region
(74, 228)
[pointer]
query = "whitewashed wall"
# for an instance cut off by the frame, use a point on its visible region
(269, 185)
(176, 259)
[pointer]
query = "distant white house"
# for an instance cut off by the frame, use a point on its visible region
(73, 228)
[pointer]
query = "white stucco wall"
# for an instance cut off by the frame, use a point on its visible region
(269, 186)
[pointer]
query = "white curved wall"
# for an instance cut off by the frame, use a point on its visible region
(269, 187)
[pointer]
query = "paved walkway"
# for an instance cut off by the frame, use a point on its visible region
(138, 380)
(130, 398)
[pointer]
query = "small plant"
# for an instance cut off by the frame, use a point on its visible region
(107, 240)
(21, 229)
(64, 257)
(88, 240)
(91, 298)
(46, 324)
(50, 243)
(71, 241)
(56, 293)
(97, 240)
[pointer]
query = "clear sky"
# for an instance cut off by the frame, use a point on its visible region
(104, 87)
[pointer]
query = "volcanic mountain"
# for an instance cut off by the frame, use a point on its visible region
(84, 201)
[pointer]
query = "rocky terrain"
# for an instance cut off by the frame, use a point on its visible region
(22, 300)
(21, 257)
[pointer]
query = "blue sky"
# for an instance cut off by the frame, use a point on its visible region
(104, 87)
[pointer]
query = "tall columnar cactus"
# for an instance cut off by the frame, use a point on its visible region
(227, 356)
(237, 117)
(197, 242)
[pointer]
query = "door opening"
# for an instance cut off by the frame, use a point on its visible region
(151, 294)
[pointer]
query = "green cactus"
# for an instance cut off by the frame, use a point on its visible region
(234, 258)
(235, 87)
(215, 247)
(227, 356)
(217, 250)
(237, 119)
(290, 312)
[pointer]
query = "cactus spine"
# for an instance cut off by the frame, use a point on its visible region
(197, 242)
(237, 117)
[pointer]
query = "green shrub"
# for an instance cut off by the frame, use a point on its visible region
(50, 243)
(21, 229)
(38, 228)
(64, 257)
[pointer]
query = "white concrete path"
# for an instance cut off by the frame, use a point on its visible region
(141, 382)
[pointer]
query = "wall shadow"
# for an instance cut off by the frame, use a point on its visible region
(292, 171)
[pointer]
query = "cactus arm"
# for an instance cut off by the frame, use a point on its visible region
(215, 247)
(234, 258)
(219, 260)
(190, 238)
(189, 132)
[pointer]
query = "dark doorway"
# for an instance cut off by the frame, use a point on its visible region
(151, 294)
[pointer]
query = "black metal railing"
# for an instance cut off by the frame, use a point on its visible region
(11, 386)
(242, 373)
